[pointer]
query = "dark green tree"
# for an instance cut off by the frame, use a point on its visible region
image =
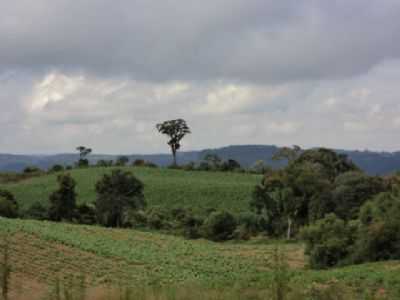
(63, 200)
(219, 226)
(175, 130)
(351, 190)
(83, 153)
(330, 162)
(117, 193)
(8, 205)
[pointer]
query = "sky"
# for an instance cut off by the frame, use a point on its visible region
(103, 73)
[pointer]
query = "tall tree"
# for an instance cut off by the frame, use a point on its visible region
(83, 152)
(175, 130)
(63, 200)
(117, 193)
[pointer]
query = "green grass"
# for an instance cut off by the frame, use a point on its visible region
(163, 187)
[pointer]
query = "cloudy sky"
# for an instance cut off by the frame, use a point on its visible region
(102, 73)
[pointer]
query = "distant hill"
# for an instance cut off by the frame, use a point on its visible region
(371, 162)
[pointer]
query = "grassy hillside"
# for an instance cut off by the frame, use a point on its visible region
(44, 251)
(164, 187)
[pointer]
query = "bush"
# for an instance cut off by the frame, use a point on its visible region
(138, 163)
(219, 226)
(191, 225)
(86, 214)
(63, 200)
(82, 163)
(157, 218)
(379, 235)
(32, 169)
(8, 205)
(37, 212)
(328, 241)
(56, 168)
(116, 195)
(252, 223)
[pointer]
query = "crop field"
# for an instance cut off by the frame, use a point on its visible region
(46, 251)
(163, 187)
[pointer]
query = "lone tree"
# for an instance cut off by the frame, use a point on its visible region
(83, 152)
(176, 130)
(63, 200)
(116, 195)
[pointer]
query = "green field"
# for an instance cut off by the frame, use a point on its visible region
(46, 251)
(163, 187)
(42, 252)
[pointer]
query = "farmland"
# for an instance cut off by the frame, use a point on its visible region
(163, 187)
(130, 257)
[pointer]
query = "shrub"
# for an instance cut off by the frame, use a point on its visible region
(116, 195)
(191, 225)
(219, 226)
(8, 205)
(86, 214)
(252, 223)
(82, 163)
(157, 218)
(32, 169)
(138, 163)
(37, 212)
(328, 241)
(379, 235)
(63, 200)
(56, 168)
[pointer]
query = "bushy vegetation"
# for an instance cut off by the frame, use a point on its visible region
(8, 205)
(63, 200)
(117, 194)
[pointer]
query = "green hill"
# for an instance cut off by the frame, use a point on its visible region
(163, 187)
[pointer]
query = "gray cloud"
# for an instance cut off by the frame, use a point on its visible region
(257, 40)
(103, 73)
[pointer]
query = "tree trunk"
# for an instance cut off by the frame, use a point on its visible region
(174, 156)
(289, 229)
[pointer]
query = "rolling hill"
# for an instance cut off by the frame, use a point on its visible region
(163, 187)
(374, 163)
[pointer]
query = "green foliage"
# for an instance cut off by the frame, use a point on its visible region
(86, 214)
(328, 241)
(8, 204)
(351, 190)
(379, 236)
(116, 194)
(219, 226)
(37, 212)
(56, 168)
(31, 170)
(63, 200)
(332, 164)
